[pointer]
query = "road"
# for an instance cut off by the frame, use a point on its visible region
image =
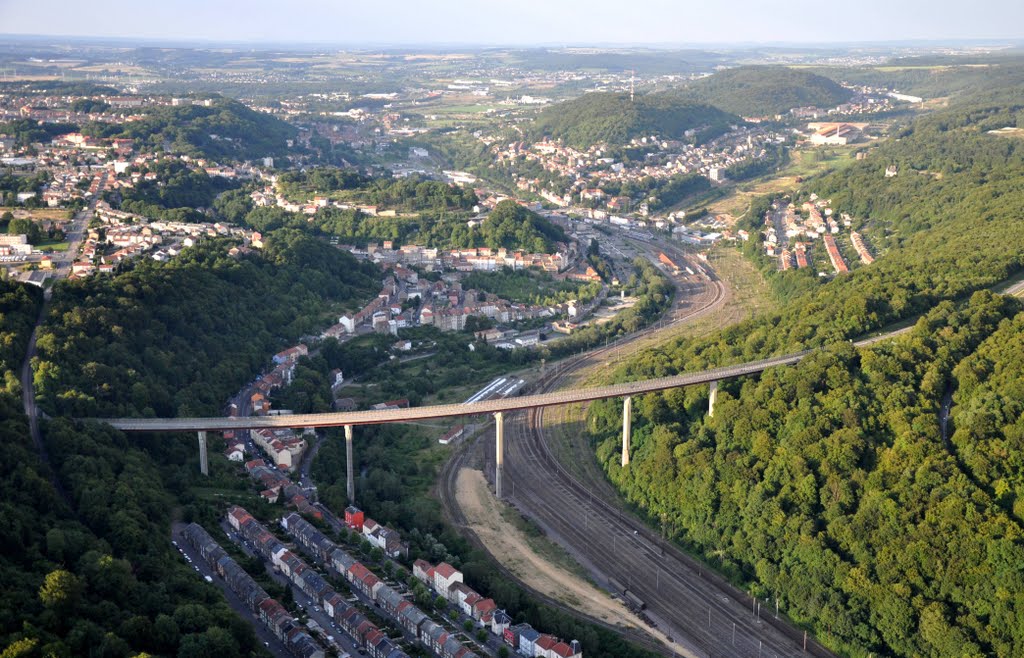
(337, 419)
(28, 394)
(203, 570)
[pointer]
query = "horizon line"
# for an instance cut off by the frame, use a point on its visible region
(179, 41)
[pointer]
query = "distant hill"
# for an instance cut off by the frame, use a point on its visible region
(754, 91)
(224, 130)
(614, 119)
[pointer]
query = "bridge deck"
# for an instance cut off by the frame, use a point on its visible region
(337, 419)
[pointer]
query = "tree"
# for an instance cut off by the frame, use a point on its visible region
(20, 648)
(60, 591)
(25, 227)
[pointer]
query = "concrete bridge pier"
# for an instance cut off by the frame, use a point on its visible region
(204, 466)
(349, 467)
(712, 396)
(499, 451)
(627, 428)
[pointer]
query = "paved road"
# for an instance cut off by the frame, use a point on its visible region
(336, 419)
(195, 560)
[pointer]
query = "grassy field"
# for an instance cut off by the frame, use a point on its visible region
(803, 164)
(37, 213)
(53, 245)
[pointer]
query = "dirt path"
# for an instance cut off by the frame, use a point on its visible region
(483, 515)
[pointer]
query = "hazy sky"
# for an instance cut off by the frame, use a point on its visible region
(519, 21)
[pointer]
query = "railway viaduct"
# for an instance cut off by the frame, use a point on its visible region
(496, 407)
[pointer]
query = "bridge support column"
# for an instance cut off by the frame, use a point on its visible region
(627, 428)
(499, 451)
(349, 468)
(712, 396)
(204, 466)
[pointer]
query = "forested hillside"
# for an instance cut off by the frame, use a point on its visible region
(606, 118)
(93, 573)
(19, 305)
(509, 226)
(829, 485)
(225, 130)
(409, 194)
(176, 196)
(757, 91)
(179, 338)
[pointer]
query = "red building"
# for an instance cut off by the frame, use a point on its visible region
(354, 518)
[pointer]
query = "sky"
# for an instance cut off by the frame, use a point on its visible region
(519, 22)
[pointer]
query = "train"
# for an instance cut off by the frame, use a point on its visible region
(632, 601)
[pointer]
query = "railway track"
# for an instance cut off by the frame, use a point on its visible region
(704, 614)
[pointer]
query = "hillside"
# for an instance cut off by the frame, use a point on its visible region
(123, 346)
(604, 118)
(755, 91)
(224, 131)
(831, 486)
(89, 570)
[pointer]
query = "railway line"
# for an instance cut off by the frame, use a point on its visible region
(703, 614)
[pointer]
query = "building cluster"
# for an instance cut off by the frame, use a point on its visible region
(122, 236)
(835, 133)
(580, 176)
(415, 624)
(480, 259)
(790, 233)
(833, 254)
(386, 539)
(279, 375)
(14, 245)
(861, 248)
(447, 581)
(269, 611)
(281, 444)
(277, 486)
(405, 301)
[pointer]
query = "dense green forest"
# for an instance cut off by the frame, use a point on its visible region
(225, 130)
(179, 338)
(89, 569)
(409, 194)
(757, 91)
(606, 118)
(987, 420)
(830, 486)
(509, 225)
(176, 195)
(19, 306)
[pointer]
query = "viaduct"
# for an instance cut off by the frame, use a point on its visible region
(496, 407)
